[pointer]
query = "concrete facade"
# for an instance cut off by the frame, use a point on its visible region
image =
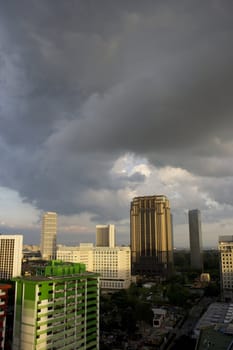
(105, 236)
(113, 264)
(11, 247)
(57, 309)
(49, 236)
(226, 266)
(151, 235)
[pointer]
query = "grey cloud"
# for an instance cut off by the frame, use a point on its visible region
(83, 84)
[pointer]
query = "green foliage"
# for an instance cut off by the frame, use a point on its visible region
(144, 313)
(212, 290)
(211, 260)
(177, 294)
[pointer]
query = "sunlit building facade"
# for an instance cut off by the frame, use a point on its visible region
(226, 266)
(112, 264)
(151, 235)
(11, 247)
(49, 236)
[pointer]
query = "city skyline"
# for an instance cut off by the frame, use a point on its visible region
(103, 102)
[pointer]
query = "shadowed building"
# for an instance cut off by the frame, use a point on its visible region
(49, 236)
(195, 236)
(3, 313)
(151, 235)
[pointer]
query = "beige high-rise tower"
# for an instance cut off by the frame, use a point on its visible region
(151, 235)
(49, 236)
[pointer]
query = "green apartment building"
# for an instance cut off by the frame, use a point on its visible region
(58, 308)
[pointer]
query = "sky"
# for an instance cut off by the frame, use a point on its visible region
(102, 101)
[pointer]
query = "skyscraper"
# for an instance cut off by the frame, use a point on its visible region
(151, 235)
(105, 236)
(58, 308)
(49, 236)
(10, 256)
(195, 236)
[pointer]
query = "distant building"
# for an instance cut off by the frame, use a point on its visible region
(3, 312)
(113, 264)
(151, 235)
(226, 266)
(195, 236)
(105, 236)
(205, 278)
(49, 236)
(10, 256)
(57, 309)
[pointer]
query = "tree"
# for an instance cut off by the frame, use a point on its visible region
(144, 313)
(177, 294)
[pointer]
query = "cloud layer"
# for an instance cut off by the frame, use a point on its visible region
(93, 95)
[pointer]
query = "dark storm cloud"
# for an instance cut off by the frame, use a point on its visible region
(83, 83)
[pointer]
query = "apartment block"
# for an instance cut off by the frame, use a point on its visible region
(58, 308)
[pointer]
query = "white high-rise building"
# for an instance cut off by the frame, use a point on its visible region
(11, 247)
(105, 236)
(49, 236)
(113, 264)
(226, 266)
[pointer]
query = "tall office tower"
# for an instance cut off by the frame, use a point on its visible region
(3, 313)
(113, 264)
(57, 309)
(226, 267)
(49, 236)
(105, 236)
(195, 235)
(151, 235)
(11, 247)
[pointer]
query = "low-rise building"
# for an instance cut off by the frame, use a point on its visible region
(112, 263)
